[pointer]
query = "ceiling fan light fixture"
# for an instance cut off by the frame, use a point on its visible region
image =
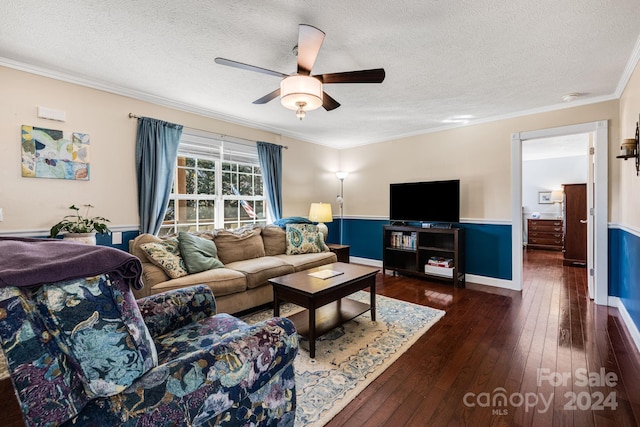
(301, 93)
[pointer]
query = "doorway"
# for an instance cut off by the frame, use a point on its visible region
(598, 262)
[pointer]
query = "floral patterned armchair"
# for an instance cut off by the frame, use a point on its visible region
(83, 352)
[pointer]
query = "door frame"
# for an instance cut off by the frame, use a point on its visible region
(599, 217)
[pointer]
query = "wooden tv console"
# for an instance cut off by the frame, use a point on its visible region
(407, 250)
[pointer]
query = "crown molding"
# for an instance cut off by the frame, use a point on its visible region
(144, 96)
(628, 71)
(181, 106)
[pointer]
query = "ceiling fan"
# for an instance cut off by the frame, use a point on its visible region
(302, 91)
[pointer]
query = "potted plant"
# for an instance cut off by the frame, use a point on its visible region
(82, 229)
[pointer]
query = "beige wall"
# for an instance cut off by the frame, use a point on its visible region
(629, 183)
(36, 204)
(479, 155)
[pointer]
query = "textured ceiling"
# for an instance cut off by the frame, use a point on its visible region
(480, 58)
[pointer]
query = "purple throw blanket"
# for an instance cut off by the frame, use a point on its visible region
(30, 262)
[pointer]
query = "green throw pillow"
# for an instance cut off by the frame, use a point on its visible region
(199, 254)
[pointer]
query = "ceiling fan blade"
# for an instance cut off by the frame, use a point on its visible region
(328, 103)
(236, 64)
(268, 97)
(375, 75)
(309, 42)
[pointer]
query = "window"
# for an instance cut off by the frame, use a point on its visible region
(217, 184)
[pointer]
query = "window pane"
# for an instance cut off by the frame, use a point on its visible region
(244, 169)
(186, 211)
(259, 209)
(245, 185)
(206, 164)
(190, 162)
(258, 186)
(190, 181)
(170, 214)
(228, 180)
(246, 207)
(230, 210)
(206, 211)
(186, 181)
(206, 182)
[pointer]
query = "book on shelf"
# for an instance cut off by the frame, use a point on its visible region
(440, 262)
(398, 239)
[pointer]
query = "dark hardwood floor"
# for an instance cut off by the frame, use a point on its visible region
(537, 344)
(491, 341)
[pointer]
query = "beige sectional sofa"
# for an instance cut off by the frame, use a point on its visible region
(251, 256)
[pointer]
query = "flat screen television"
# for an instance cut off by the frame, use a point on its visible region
(431, 201)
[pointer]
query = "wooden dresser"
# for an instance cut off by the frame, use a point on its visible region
(545, 234)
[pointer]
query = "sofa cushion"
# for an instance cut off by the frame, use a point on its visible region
(221, 281)
(306, 261)
(166, 255)
(198, 254)
(239, 244)
(304, 239)
(98, 325)
(274, 239)
(259, 271)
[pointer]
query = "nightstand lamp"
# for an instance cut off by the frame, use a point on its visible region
(321, 213)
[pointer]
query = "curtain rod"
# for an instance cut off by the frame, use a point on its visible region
(133, 116)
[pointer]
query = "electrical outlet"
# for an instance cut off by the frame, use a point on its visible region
(1, 215)
(116, 238)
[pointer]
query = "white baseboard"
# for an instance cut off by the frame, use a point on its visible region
(492, 281)
(628, 321)
(481, 280)
(365, 261)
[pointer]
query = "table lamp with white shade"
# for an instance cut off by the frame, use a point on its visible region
(321, 213)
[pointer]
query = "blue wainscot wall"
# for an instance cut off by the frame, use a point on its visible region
(488, 246)
(488, 254)
(624, 270)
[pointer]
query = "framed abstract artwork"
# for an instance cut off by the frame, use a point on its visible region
(49, 153)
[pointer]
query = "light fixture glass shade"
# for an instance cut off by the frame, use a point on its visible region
(320, 212)
(342, 175)
(557, 196)
(301, 92)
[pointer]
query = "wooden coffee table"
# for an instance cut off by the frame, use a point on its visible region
(324, 299)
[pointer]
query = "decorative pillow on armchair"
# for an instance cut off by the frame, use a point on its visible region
(100, 329)
(166, 255)
(304, 239)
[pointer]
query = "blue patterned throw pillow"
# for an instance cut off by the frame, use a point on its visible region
(304, 239)
(98, 325)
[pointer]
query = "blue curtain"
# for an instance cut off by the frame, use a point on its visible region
(156, 152)
(270, 157)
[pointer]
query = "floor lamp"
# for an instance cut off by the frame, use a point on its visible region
(341, 176)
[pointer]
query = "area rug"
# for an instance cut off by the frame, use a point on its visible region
(353, 355)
